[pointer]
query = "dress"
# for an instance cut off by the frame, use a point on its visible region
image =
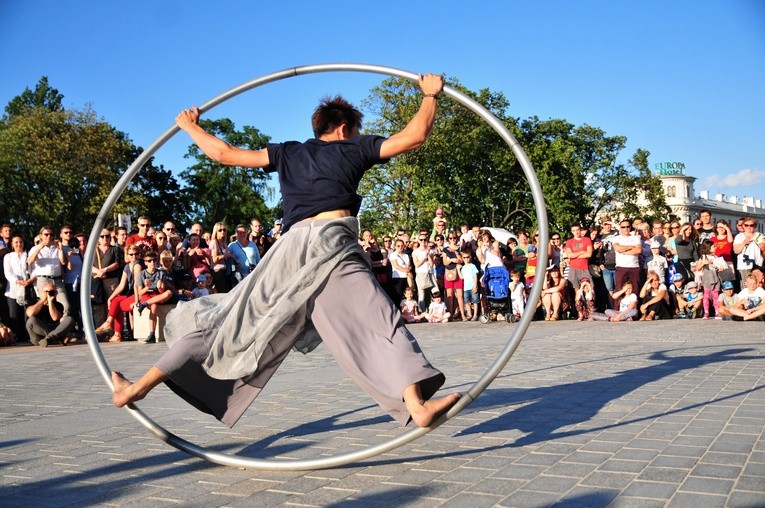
(225, 347)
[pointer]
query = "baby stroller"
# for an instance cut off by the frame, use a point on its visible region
(496, 280)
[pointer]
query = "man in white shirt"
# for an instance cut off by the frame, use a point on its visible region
(628, 249)
(46, 261)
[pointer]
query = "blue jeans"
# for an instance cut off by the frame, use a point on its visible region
(609, 279)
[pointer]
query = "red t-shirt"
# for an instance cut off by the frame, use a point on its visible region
(578, 245)
(723, 248)
(145, 243)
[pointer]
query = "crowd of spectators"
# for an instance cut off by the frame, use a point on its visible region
(615, 271)
(139, 269)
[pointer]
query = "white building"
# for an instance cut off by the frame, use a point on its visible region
(682, 199)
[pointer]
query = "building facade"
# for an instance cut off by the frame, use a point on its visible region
(685, 204)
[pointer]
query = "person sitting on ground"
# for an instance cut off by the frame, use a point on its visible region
(7, 337)
(690, 303)
(437, 312)
(727, 301)
(410, 311)
(655, 299)
(676, 292)
(585, 300)
(750, 301)
(554, 293)
(627, 304)
(46, 321)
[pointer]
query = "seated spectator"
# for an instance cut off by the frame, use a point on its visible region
(153, 287)
(7, 337)
(627, 304)
(585, 300)
(676, 290)
(554, 293)
(410, 311)
(690, 302)
(727, 301)
(750, 301)
(122, 299)
(655, 299)
(437, 312)
(46, 321)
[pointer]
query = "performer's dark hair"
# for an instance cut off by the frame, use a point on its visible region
(333, 112)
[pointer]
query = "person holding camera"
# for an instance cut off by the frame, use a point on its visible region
(46, 261)
(46, 321)
(748, 247)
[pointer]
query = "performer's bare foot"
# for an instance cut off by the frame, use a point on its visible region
(424, 412)
(127, 392)
(123, 390)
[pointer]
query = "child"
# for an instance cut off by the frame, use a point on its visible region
(627, 305)
(709, 267)
(658, 262)
(517, 293)
(531, 266)
(676, 288)
(437, 311)
(585, 300)
(727, 301)
(750, 301)
(470, 286)
(410, 311)
(438, 218)
(201, 288)
(690, 303)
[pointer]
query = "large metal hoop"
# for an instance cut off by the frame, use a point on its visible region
(347, 458)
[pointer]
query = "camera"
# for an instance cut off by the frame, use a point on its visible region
(52, 292)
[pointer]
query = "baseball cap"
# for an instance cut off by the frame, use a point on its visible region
(678, 276)
(727, 284)
(440, 211)
(584, 279)
(692, 284)
(655, 245)
(532, 248)
(201, 278)
(278, 222)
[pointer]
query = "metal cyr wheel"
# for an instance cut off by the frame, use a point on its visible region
(355, 456)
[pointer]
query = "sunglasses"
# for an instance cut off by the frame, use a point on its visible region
(624, 227)
(169, 229)
(46, 234)
(132, 253)
(749, 225)
(66, 232)
(105, 236)
(149, 260)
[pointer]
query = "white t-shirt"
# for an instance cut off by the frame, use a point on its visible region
(403, 260)
(753, 298)
(626, 260)
(417, 255)
(627, 301)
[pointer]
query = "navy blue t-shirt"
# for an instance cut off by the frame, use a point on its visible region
(318, 176)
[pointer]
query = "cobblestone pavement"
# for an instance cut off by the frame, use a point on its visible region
(585, 414)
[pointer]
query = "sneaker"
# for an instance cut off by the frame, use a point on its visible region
(705, 316)
(151, 338)
(691, 314)
(718, 317)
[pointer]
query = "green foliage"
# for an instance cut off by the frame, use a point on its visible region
(218, 193)
(468, 170)
(43, 96)
(58, 167)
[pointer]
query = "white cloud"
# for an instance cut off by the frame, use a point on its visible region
(742, 178)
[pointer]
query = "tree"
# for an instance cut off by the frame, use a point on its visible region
(643, 194)
(43, 97)
(468, 170)
(218, 193)
(58, 166)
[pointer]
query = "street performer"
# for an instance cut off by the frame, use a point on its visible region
(225, 347)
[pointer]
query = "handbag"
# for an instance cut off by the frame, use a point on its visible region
(97, 292)
(451, 275)
(27, 295)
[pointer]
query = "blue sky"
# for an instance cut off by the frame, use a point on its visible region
(683, 80)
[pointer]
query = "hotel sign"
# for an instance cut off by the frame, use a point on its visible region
(669, 168)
